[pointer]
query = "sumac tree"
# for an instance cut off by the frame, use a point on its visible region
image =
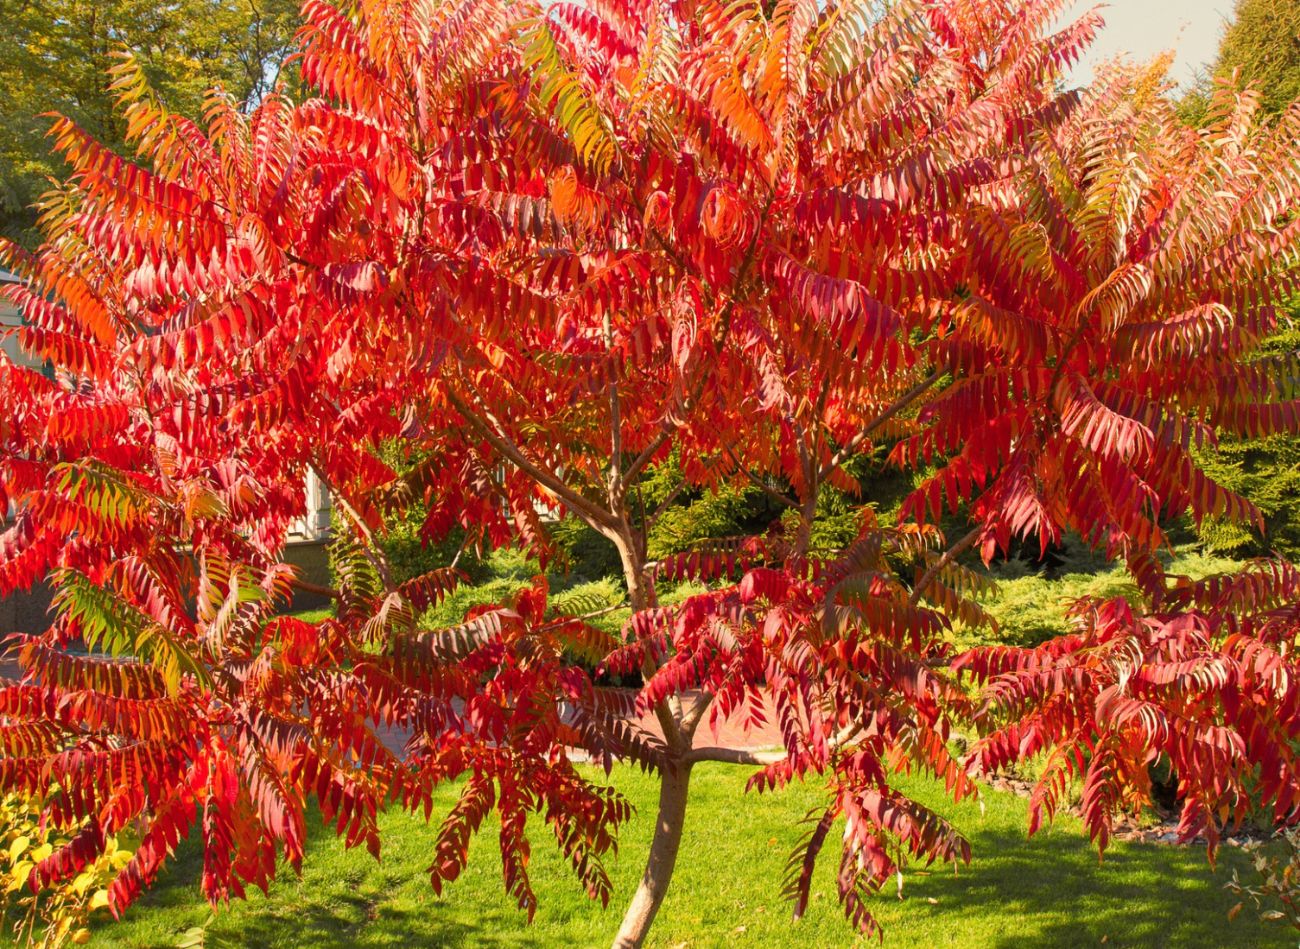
(540, 250)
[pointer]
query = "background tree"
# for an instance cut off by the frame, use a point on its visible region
(1261, 46)
(538, 253)
(1266, 470)
(57, 54)
(1262, 41)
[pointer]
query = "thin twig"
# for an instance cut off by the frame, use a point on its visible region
(937, 567)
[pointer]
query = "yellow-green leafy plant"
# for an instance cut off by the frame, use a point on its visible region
(56, 913)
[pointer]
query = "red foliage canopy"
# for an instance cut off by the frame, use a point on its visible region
(542, 250)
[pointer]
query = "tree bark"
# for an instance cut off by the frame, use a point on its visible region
(669, 823)
(674, 775)
(807, 514)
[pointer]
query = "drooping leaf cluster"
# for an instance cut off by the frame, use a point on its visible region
(1261, 45)
(1202, 682)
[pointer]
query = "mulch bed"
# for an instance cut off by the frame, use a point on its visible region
(1162, 831)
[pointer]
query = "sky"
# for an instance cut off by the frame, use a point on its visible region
(1144, 28)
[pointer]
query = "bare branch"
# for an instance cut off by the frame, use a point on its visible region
(616, 481)
(656, 443)
(759, 483)
(742, 756)
(663, 505)
(371, 549)
(936, 568)
(753, 756)
(691, 720)
(910, 396)
(316, 588)
(488, 427)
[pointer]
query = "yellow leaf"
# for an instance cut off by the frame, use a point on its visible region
(81, 936)
(41, 852)
(18, 846)
(18, 876)
(99, 900)
(84, 881)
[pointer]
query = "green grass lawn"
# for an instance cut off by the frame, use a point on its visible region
(1049, 891)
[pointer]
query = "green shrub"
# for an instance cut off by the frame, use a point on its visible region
(1030, 604)
(1265, 470)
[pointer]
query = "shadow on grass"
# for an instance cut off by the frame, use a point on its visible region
(1045, 891)
(343, 906)
(1052, 891)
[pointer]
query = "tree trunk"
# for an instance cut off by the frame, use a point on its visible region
(674, 775)
(673, 790)
(640, 587)
(803, 534)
